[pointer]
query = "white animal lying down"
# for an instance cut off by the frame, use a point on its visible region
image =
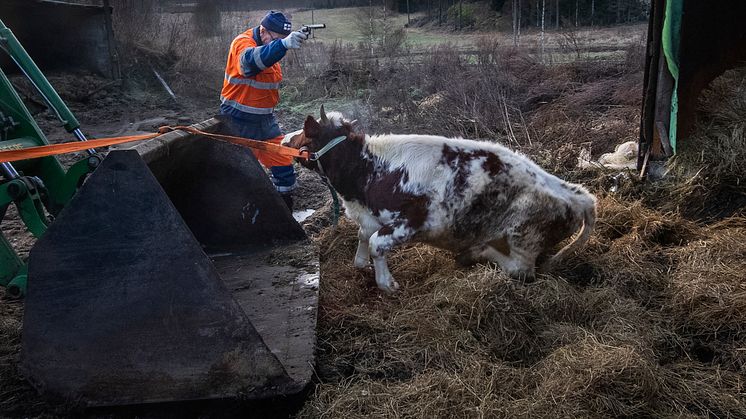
(477, 199)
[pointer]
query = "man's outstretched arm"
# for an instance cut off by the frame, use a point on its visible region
(255, 59)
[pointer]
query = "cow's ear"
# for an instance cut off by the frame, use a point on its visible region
(311, 127)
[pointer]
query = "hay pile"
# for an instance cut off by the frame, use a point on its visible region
(647, 320)
(633, 325)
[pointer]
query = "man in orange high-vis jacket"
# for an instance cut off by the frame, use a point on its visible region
(251, 91)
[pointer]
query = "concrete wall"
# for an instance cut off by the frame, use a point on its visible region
(61, 36)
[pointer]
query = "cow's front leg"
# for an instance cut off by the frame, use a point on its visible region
(380, 243)
(362, 255)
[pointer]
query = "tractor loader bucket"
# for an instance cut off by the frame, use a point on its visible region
(192, 284)
(220, 189)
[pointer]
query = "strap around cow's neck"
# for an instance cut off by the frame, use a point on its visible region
(330, 145)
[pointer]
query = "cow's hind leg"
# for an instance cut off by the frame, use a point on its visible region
(516, 261)
(471, 256)
(380, 243)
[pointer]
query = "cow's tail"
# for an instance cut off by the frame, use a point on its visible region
(588, 205)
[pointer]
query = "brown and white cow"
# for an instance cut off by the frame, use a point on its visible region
(477, 199)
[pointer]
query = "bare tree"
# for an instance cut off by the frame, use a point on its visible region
(576, 13)
(519, 21)
(543, 10)
(618, 11)
(556, 14)
(460, 14)
(371, 28)
(385, 26)
(593, 10)
(515, 11)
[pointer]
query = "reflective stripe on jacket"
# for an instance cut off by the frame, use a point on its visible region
(253, 74)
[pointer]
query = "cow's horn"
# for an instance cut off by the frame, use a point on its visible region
(323, 115)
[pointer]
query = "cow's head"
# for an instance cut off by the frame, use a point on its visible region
(318, 133)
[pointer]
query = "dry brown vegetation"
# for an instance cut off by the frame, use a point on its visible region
(490, 92)
(632, 326)
(647, 320)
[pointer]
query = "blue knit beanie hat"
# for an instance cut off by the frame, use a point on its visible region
(277, 22)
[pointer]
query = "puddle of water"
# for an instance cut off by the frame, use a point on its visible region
(300, 216)
(309, 280)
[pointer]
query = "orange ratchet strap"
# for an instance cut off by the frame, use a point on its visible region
(245, 142)
(57, 149)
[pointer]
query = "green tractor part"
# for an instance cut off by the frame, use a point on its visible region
(40, 187)
(174, 271)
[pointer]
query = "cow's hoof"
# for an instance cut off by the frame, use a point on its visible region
(389, 288)
(362, 263)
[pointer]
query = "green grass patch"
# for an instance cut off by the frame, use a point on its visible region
(343, 26)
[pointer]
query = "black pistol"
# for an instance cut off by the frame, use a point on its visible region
(306, 29)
